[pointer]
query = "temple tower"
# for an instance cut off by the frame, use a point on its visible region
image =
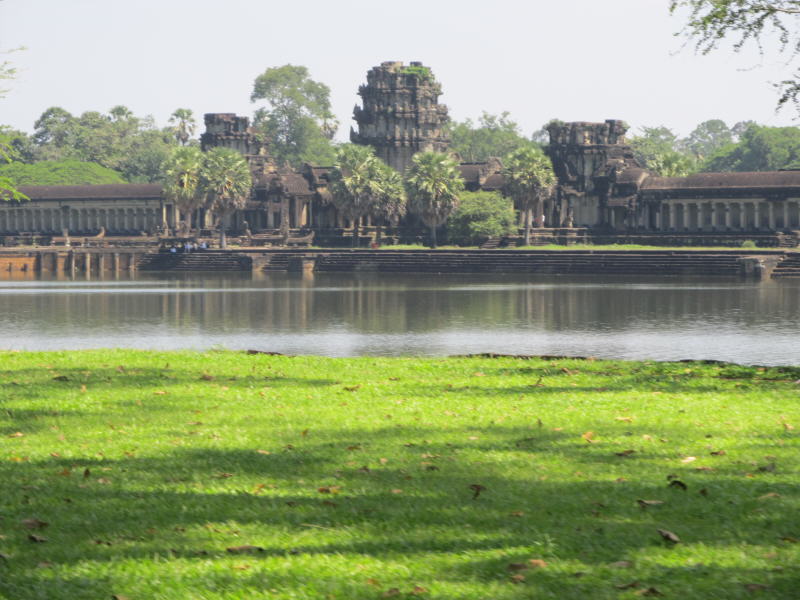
(229, 130)
(401, 114)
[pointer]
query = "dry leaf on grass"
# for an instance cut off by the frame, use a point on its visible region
(537, 563)
(34, 524)
(668, 536)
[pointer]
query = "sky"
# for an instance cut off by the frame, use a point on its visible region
(575, 60)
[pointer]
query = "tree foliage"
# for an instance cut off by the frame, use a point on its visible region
(494, 135)
(183, 174)
(434, 186)
(760, 148)
(226, 182)
(355, 183)
(530, 179)
(659, 150)
(479, 216)
(183, 125)
(67, 172)
(117, 140)
(298, 122)
(712, 22)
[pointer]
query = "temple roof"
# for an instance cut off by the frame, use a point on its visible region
(764, 180)
(116, 191)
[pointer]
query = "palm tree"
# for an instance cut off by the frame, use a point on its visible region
(183, 125)
(529, 180)
(226, 182)
(434, 184)
(355, 183)
(391, 202)
(183, 171)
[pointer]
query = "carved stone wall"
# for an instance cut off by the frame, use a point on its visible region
(401, 114)
(592, 162)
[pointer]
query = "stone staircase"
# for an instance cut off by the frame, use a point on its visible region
(542, 262)
(492, 243)
(789, 267)
(204, 260)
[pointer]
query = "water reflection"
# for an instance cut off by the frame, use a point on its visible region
(400, 314)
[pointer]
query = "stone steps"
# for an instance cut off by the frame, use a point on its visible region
(790, 267)
(555, 263)
(194, 261)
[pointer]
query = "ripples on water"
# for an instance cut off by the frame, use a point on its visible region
(373, 314)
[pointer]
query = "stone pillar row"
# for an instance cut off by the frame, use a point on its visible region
(54, 220)
(766, 216)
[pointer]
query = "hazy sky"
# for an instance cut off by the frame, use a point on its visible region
(574, 60)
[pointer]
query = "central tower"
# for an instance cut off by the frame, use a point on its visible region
(401, 114)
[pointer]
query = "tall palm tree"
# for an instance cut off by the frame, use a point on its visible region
(183, 125)
(183, 171)
(529, 181)
(391, 202)
(355, 183)
(434, 185)
(226, 182)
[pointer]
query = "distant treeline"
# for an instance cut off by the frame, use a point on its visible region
(119, 146)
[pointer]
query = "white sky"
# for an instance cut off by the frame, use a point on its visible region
(576, 60)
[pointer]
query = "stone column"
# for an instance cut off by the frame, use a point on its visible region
(772, 211)
(672, 220)
(757, 214)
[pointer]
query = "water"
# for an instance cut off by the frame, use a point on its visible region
(396, 315)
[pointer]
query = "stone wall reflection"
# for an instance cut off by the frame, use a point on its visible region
(386, 304)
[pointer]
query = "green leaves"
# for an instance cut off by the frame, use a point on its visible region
(434, 185)
(298, 120)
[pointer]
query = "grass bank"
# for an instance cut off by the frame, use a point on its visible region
(225, 475)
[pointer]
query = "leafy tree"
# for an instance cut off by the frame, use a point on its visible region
(8, 191)
(658, 149)
(55, 133)
(707, 138)
(711, 22)
(183, 125)
(67, 172)
(530, 179)
(298, 122)
(144, 161)
(118, 140)
(183, 172)
(434, 186)
(226, 182)
(356, 183)
(19, 145)
(761, 148)
(494, 135)
(391, 201)
(479, 216)
(7, 71)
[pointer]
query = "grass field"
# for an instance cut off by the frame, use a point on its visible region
(224, 475)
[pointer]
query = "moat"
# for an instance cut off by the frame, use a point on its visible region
(374, 314)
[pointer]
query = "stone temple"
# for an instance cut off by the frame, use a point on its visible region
(602, 194)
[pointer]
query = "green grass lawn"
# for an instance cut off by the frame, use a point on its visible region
(225, 475)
